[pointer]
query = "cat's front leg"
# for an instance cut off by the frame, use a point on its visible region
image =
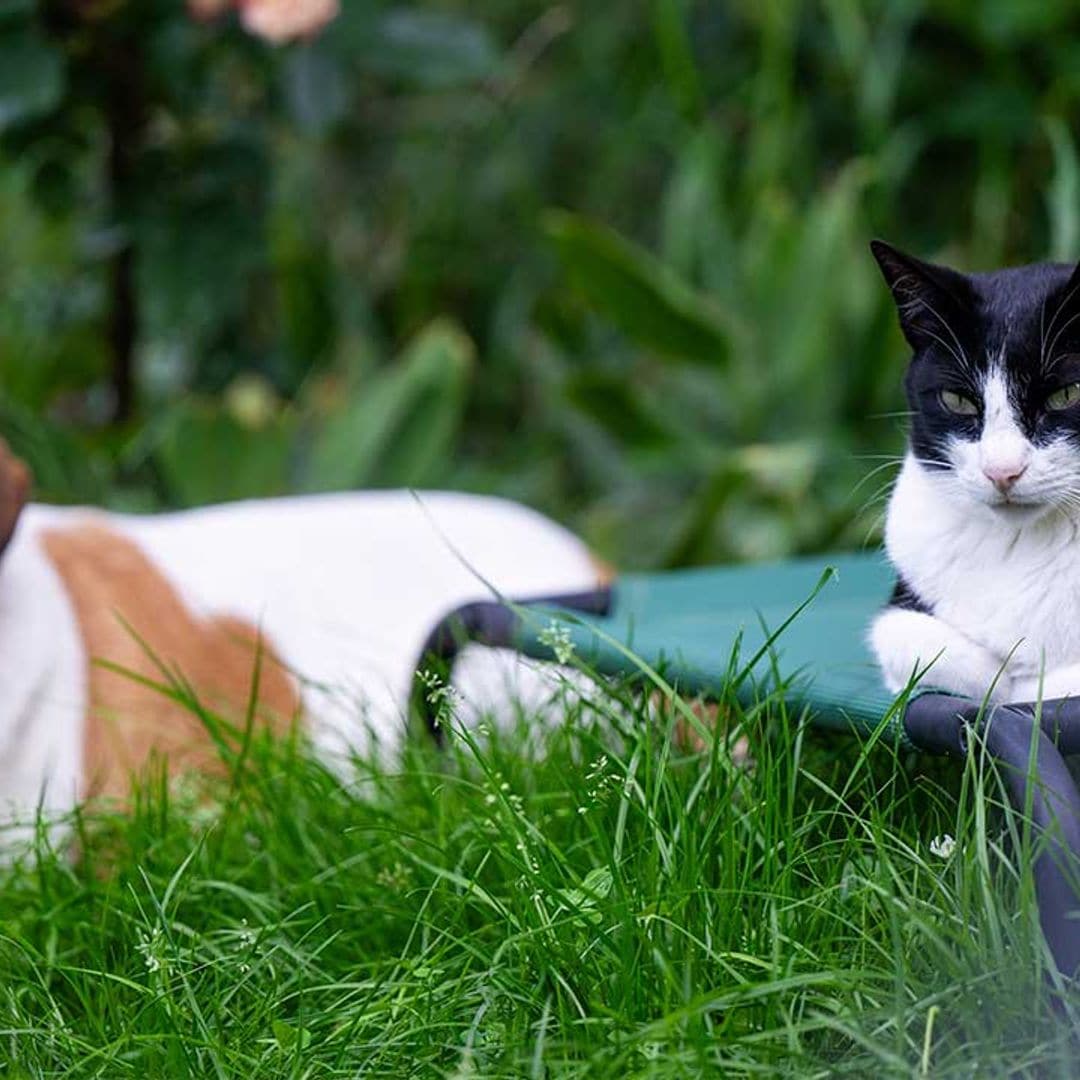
(909, 642)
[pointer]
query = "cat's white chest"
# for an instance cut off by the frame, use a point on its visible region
(1012, 589)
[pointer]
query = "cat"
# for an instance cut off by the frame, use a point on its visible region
(983, 524)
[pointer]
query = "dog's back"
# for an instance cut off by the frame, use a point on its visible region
(335, 595)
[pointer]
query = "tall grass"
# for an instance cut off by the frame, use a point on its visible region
(587, 899)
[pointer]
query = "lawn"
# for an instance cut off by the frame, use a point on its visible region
(592, 895)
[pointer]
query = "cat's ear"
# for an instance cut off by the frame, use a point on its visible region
(928, 297)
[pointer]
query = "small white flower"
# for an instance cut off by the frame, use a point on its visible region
(153, 949)
(441, 696)
(943, 846)
(557, 638)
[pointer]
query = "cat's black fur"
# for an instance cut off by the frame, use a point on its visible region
(904, 596)
(1028, 318)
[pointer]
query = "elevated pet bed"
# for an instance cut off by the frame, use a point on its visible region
(687, 623)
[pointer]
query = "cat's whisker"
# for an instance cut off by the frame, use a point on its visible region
(1068, 499)
(1060, 308)
(1042, 334)
(1065, 326)
(902, 414)
(961, 358)
(958, 353)
(937, 467)
(875, 526)
(876, 471)
(878, 498)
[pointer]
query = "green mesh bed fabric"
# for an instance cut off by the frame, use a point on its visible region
(690, 623)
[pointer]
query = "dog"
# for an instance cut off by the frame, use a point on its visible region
(323, 602)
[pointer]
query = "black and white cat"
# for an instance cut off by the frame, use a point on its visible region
(983, 525)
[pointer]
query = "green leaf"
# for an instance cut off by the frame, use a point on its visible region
(696, 235)
(431, 49)
(305, 289)
(31, 77)
(824, 254)
(1063, 198)
(208, 455)
(617, 405)
(316, 90)
(289, 1037)
(16, 9)
(677, 56)
(401, 426)
(62, 467)
(637, 292)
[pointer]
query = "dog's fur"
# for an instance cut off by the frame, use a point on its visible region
(330, 596)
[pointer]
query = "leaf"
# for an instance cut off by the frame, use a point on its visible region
(695, 229)
(825, 260)
(677, 56)
(63, 470)
(305, 289)
(637, 292)
(1007, 23)
(616, 404)
(289, 1037)
(1063, 197)
(31, 77)
(595, 886)
(199, 235)
(207, 455)
(431, 49)
(316, 90)
(401, 426)
(16, 9)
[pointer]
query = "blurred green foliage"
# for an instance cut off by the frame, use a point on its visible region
(607, 259)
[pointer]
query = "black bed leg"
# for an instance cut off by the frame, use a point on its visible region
(485, 622)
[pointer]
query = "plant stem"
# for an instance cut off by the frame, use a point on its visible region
(125, 123)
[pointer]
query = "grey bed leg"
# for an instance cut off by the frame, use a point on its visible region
(941, 724)
(485, 622)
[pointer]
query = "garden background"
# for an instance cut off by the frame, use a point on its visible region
(610, 260)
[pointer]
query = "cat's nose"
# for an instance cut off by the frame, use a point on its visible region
(1003, 477)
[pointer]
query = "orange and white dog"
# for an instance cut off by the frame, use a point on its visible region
(335, 593)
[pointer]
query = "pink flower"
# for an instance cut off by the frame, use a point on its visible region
(205, 10)
(283, 20)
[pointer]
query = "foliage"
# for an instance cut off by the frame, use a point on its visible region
(647, 221)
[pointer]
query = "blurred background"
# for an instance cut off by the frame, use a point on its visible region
(608, 259)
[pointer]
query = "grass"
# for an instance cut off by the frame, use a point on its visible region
(588, 899)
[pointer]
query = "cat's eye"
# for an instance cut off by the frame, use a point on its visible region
(1065, 397)
(958, 404)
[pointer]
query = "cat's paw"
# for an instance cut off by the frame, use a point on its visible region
(911, 644)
